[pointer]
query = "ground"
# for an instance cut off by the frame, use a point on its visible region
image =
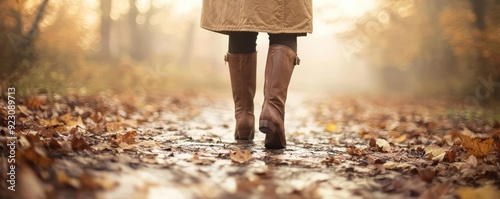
(182, 146)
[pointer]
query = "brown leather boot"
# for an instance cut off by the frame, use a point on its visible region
(242, 69)
(279, 67)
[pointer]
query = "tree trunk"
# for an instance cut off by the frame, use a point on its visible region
(105, 28)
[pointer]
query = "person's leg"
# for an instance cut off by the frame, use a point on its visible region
(281, 59)
(242, 42)
(242, 61)
(287, 39)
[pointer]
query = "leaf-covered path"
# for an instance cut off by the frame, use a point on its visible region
(182, 146)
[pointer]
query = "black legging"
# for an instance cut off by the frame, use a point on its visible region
(245, 42)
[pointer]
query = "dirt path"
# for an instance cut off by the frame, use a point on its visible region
(183, 147)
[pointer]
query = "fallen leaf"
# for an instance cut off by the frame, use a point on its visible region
(435, 153)
(79, 144)
(401, 138)
(63, 178)
(427, 174)
(330, 127)
(330, 161)
(355, 151)
(128, 138)
(112, 126)
(436, 192)
(24, 110)
(54, 144)
(50, 122)
(486, 192)
(33, 103)
(396, 165)
(450, 156)
(240, 157)
(478, 147)
(472, 160)
(383, 145)
(78, 122)
(373, 143)
(36, 156)
(97, 182)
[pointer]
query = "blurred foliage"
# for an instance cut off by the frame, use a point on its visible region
(430, 46)
(137, 46)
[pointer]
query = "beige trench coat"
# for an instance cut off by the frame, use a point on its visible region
(271, 16)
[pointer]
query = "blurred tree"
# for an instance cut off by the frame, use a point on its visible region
(18, 46)
(140, 34)
(443, 46)
(105, 28)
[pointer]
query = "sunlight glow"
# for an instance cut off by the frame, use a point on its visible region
(337, 16)
(119, 8)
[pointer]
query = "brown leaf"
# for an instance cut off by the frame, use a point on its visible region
(79, 144)
(128, 138)
(96, 182)
(436, 192)
(240, 157)
(33, 103)
(497, 143)
(73, 123)
(427, 174)
(330, 161)
(112, 126)
(66, 118)
(36, 156)
(450, 156)
(64, 179)
(478, 147)
(54, 144)
(355, 151)
(373, 143)
(50, 122)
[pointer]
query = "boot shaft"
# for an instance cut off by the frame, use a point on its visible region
(242, 70)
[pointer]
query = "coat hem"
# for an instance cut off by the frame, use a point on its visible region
(226, 30)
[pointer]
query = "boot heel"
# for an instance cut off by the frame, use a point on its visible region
(267, 127)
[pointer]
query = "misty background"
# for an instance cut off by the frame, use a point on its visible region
(410, 47)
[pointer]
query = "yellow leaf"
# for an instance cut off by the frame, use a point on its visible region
(486, 192)
(331, 128)
(401, 138)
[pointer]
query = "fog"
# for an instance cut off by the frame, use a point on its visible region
(410, 46)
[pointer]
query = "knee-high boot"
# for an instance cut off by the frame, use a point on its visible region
(281, 61)
(242, 69)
